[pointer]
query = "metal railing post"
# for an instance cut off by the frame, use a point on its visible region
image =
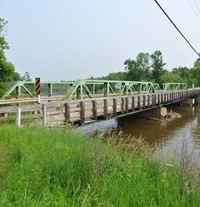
(18, 117)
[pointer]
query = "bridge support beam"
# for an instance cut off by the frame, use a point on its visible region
(153, 113)
(189, 102)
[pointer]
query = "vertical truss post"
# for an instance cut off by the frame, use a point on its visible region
(139, 87)
(93, 88)
(127, 89)
(50, 89)
(81, 91)
(18, 91)
(78, 92)
(123, 87)
(106, 89)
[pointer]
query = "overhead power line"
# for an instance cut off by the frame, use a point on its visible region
(177, 28)
(191, 6)
(197, 6)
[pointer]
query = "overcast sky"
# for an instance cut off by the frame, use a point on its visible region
(76, 39)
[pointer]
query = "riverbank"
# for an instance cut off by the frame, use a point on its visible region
(48, 167)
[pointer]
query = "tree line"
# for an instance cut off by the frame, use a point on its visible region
(151, 67)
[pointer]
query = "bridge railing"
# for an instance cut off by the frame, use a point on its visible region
(174, 86)
(91, 88)
(27, 89)
(94, 88)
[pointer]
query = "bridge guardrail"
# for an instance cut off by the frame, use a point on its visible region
(88, 88)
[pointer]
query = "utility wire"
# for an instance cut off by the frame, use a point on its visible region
(197, 6)
(177, 28)
(192, 8)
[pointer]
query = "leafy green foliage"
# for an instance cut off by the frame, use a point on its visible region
(3, 43)
(146, 67)
(6, 68)
(16, 77)
(186, 74)
(168, 77)
(150, 67)
(6, 71)
(115, 76)
(196, 71)
(139, 69)
(157, 65)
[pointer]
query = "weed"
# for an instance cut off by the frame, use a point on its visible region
(48, 167)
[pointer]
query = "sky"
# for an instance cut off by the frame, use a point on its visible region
(77, 39)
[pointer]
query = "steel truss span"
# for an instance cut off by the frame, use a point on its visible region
(81, 89)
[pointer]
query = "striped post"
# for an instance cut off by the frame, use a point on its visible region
(37, 88)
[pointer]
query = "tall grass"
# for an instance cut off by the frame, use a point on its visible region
(48, 167)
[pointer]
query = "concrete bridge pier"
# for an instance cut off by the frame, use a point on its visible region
(156, 113)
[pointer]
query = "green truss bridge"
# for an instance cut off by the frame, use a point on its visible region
(78, 101)
(82, 89)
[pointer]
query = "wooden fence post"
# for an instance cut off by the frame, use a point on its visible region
(127, 103)
(44, 114)
(94, 109)
(67, 113)
(149, 101)
(122, 105)
(159, 98)
(114, 106)
(153, 99)
(139, 102)
(82, 112)
(144, 101)
(105, 108)
(133, 103)
(162, 98)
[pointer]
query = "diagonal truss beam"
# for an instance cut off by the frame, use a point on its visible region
(90, 88)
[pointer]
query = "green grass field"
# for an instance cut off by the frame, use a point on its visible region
(49, 167)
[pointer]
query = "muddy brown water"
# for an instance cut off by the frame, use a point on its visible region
(169, 137)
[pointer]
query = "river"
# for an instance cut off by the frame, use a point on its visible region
(180, 135)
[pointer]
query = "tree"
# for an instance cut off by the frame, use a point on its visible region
(6, 68)
(157, 66)
(139, 69)
(196, 72)
(169, 77)
(26, 77)
(115, 76)
(185, 73)
(16, 77)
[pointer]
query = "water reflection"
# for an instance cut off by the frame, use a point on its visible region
(168, 136)
(158, 132)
